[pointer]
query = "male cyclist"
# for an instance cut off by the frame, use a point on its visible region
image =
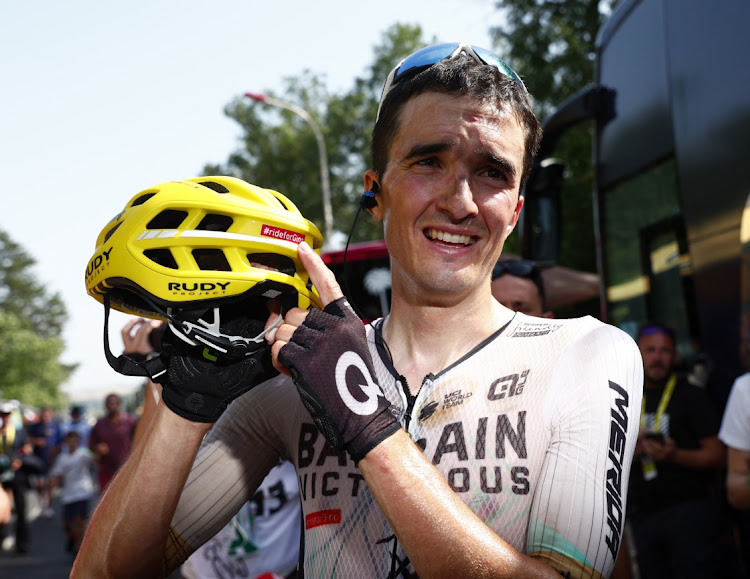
(454, 438)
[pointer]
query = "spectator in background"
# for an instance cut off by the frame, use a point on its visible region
(16, 453)
(111, 439)
(6, 498)
(518, 285)
(77, 423)
(678, 455)
(73, 470)
(735, 433)
(46, 437)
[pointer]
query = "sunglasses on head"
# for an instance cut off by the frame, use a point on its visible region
(430, 55)
(517, 267)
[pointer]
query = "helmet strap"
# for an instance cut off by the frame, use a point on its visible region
(123, 364)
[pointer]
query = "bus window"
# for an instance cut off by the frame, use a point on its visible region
(629, 208)
(667, 264)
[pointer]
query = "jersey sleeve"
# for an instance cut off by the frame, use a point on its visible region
(735, 424)
(593, 407)
(234, 458)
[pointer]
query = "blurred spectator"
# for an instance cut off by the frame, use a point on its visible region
(735, 433)
(77, 423)
(111, 439)
(17, 463)
(46, 437)
(518, 285)
(674, 522)
(72, 468)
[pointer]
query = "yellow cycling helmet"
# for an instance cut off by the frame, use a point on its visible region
(204, 254)
(201, 243)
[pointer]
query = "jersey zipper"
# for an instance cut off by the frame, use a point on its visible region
(409, 399)
(410, 402)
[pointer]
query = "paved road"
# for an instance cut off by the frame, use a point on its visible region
(46, 558)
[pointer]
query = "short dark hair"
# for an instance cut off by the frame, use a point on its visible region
(461, 76)
(656, 328)
(521, 268)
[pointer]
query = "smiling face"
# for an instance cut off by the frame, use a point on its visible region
(450, 194)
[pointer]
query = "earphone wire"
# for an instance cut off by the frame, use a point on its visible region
(347, 288)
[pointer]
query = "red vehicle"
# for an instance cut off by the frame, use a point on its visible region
(365, 277)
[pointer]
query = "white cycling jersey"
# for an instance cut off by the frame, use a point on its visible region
(534, 429)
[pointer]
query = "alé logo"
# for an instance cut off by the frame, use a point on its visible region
(370, 388)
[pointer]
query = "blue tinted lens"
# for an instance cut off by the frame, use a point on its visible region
(433, 54)
(493, 60)
(426, 56)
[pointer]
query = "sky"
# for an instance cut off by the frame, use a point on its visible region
(101, 100)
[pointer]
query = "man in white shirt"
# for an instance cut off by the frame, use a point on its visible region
(73, 469)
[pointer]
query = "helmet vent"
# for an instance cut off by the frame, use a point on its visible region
(275, 261)
(281, 203)
(111, 231)
(167, 219)
(213, 185)
(163, 257)
(211, 260)
(142, 199)
(213, 222)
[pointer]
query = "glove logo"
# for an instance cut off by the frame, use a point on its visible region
(371, 389)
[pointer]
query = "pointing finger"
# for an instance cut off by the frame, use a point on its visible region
(322, 277)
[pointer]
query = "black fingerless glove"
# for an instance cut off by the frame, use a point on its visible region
(199, 386)
(331, 366)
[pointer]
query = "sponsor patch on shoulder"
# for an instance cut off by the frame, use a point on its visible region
(327, 517)
(531, 329)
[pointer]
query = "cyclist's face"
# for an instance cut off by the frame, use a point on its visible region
(450, 193)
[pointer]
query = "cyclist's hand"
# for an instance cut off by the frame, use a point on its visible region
(326, 354)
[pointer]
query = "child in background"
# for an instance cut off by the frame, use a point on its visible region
(74, 468)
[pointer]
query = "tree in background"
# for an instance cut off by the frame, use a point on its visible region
(551, 43)
(279, 150)
(31, 322)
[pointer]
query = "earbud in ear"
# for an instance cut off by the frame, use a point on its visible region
(368, 200)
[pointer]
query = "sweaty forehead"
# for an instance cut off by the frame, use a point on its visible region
(456, 107)
(455, 120)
